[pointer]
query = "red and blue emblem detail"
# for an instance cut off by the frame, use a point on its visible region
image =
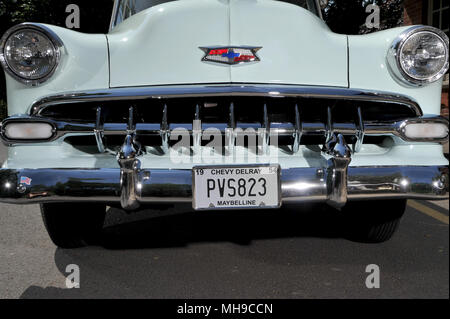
(230, 55)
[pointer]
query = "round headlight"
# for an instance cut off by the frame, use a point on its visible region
(30, 53)
(420, 55)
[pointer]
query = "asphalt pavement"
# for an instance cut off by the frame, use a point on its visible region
(287, 253)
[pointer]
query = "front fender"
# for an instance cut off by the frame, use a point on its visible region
(368, 69)
(83, 66)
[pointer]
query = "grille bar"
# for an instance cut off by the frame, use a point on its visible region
(266, 131)
(298, 130)
(329, 130)
(359, 134)
(164, 130)
(99, 131)
(230, 130)
(308, 129)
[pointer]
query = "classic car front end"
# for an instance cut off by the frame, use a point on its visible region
(222, 104)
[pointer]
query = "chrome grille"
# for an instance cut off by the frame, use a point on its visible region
(295, 120)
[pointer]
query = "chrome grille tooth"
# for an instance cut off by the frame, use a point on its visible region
(265, 130)
(99, 130)
(329, 130)
(298, 131)
(360, 131)
(131, 125)
(131, 131)
(230, 133)
(164, 131)
(232, 120)
(197, 129)
(266, 117)
(197, 112)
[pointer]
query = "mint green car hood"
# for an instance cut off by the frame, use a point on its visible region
(160, 46)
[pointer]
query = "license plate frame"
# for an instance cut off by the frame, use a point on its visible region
(276, 199)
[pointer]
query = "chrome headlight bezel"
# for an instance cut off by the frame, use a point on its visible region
(394, 56)
(45, 31)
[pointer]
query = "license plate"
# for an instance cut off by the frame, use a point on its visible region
(225, 187)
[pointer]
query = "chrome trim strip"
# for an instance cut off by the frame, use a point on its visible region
(168, 186)
(52, 36)
(180, 91)
(62, 128)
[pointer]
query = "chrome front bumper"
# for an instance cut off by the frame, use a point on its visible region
(169, 186)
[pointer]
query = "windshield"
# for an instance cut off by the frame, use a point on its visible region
(126, 8)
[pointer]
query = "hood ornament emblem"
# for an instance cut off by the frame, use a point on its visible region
(230, 55)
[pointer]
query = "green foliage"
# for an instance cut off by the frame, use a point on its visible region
(95, 15)
(349, 17)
